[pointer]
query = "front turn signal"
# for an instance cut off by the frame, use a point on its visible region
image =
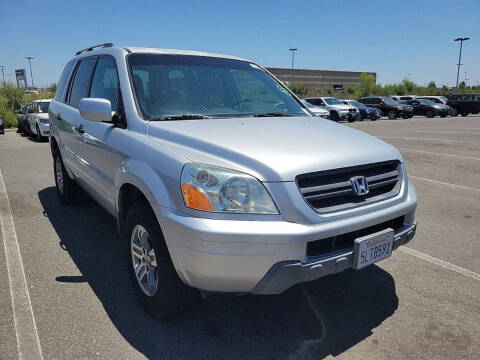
(195, 198)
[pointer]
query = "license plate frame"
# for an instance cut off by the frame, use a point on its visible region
(372, 248)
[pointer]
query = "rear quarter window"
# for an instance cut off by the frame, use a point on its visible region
(62, 83)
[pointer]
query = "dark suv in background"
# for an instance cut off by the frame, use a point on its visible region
(429, 108)
(387, 106)
(464, 104)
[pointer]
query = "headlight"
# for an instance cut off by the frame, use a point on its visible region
(216, 189)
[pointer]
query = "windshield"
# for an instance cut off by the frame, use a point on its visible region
(389, 101)
(166, 85)
(425, 102)
(333, 101)
(43, 107)
(356, 104)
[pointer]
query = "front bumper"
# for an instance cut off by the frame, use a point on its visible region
(254, 256)
(349, 116)
(44, 129)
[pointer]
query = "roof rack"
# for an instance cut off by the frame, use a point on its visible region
(93, 47)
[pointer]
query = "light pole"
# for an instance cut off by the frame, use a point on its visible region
(3, 74)
(460, 56)
(293, 59)
(30, 62)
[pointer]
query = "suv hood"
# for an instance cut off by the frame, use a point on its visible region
(271, 149)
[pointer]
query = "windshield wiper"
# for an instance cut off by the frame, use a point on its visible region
(181, 117)
(271, 114)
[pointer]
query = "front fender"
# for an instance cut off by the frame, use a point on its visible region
(146, 179)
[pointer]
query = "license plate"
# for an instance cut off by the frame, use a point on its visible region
(372, 248)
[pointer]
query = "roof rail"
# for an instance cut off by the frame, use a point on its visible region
(93, 47)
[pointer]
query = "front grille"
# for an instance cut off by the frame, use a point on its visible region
(352, 110)
(345, 241)
(331, 190)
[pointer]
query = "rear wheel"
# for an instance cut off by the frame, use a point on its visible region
(464, 113)
(430, 114)
(65, 186)
(454, 111)
(154, 278)
(392, 115)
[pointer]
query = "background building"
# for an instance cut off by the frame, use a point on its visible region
(319, 78)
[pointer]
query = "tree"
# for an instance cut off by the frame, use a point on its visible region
(432, 84)
(367, 84)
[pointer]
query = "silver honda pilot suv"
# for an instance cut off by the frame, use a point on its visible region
(220, 179)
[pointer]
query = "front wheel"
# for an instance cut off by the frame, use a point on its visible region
(464, 113)
(454, 112)
(39, 136)
(392, 115)
(155, 280)
(430, 114)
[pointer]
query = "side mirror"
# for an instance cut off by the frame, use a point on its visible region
(96, 109)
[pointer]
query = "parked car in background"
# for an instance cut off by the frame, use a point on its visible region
(395, 97)
(435, 99)
(216, 186)
(407, 97)
(364, 112)
(429, 108)
(464, 104)
(22, 118)
(408, 109)
(386, 105)
(317, 110)
(2, 127)
(338, 110)
(38, 122)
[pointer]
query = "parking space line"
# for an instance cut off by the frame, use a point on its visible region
(445, 132)
(28, 342)
(445, 183)
(440, 154)
(426, 139)
(444, 264)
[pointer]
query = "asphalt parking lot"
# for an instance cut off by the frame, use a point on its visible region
(423, 302)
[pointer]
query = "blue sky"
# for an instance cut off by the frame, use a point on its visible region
(392, 38)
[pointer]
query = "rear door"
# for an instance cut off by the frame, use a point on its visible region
(69, 119)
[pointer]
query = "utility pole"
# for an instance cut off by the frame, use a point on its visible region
(30, 62)
(460, 56)
(293, 59)
(3, 74)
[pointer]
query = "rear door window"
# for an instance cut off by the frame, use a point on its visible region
(81, 82)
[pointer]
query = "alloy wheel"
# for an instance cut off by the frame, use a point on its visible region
(144, 260)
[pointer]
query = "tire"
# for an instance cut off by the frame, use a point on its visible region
(166, 294)
(39, 136)
(351, 119)
(405, 116)
(334, 116)
(430, 114)
(392, 115)
(454, 111)
(445, 115)
(464, 113)
(66, 187)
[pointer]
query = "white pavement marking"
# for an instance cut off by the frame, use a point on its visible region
(445, 183)
(444, 264)
(446, 132)
(440, 154)
(426, 139)
(28, 343)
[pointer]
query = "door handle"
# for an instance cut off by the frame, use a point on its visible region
(79, 129)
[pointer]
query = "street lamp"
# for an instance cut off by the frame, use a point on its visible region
(30, 62)
(460, 56)
(293, 59)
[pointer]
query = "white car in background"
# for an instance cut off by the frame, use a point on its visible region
(435, 99)
(338, 110)
(317, 110)
(38, 119)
